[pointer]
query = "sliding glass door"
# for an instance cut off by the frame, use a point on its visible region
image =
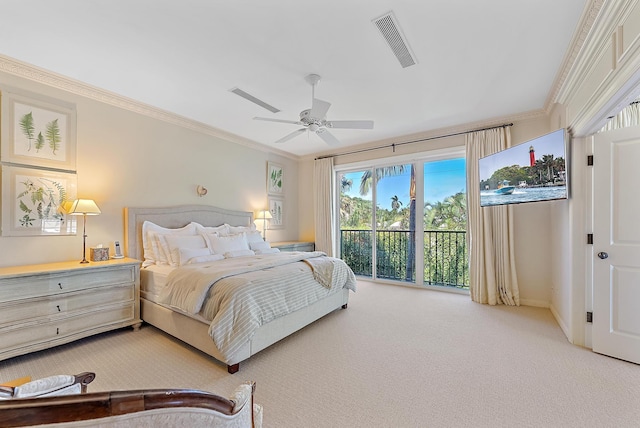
(381, 235)
(395, 222)
(445, 224)
(356, 220)
(389, 228)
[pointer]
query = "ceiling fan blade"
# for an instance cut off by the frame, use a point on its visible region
(327, 137)
(290, 136)
(350, 124)
(293, 122)
(319, 109)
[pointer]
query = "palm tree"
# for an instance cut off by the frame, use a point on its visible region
(395, 203)
(345, 184)
(346, 204)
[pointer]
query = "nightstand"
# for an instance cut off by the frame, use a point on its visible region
(50, 304)
(293, 246)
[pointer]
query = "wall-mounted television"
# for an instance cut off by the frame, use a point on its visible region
(532, 171)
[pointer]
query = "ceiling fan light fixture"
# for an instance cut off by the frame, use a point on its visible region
(313, 127)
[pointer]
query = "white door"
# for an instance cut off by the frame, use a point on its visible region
(616, 244)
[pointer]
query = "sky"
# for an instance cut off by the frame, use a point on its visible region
(442, 179)
(549, 144)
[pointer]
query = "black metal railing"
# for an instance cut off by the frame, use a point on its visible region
(445, 255)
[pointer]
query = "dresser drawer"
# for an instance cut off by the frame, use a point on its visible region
(39, 332)
(16, 312)
(48, 284)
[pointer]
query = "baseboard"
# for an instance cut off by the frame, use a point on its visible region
(561, 323)
(536, 303)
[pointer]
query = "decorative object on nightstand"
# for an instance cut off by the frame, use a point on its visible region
(99, 254)
(263, 217)
(84, 207)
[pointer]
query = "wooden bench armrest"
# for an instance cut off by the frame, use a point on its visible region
(47, 410)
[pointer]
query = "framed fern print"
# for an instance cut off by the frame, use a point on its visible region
(275, 179)
(33, 201)
(37, 131)
(276, 208)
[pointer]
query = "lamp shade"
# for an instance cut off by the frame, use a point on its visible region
(264, 215)
(84, 207)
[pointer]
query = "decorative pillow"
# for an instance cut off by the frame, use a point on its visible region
(222, 244)
(260, 245)
(223, 229)
(267, 251)
(207, 258)
(234, 230)
(238, 253)
(187, 254)
(254, 236)
(149, 242)
(176, 242)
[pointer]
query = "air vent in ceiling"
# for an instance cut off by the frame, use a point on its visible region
(254, 100)
(392, 33)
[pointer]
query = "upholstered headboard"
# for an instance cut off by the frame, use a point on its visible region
(175, 217)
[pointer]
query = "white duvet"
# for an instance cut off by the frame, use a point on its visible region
(238, 295)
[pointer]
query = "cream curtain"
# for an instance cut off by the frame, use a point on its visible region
(492, 269)
(628, 116)
(323, 191)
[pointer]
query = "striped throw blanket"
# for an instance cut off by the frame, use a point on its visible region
(238, 295)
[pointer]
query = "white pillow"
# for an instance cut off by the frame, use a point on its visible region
(149, 242)
(223, 244)
(171, 245)
(207, 258)
(174, 243)
(234, 230)
(186, 254)
(254, 236)
(268, 251)
(238, 253)
(260, 245)
(223, 229)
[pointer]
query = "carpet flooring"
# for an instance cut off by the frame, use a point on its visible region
(397, 357)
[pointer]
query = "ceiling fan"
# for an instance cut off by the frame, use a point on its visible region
(314, 119)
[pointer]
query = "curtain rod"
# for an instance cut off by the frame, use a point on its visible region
(394, 145)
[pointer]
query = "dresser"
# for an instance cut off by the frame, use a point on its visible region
(293, 246)
(50, 304)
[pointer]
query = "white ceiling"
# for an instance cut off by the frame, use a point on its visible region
(477, 60)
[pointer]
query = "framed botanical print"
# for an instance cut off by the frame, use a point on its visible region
(33, 201)
(276, 208)
(37, 131)
(275, 179)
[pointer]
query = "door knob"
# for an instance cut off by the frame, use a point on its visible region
(603, 255)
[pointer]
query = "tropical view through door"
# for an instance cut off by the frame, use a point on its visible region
(391, 229)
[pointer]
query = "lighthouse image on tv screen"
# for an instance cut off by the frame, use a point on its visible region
(533, 171)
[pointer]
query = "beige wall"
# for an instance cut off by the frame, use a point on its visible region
(128, 159)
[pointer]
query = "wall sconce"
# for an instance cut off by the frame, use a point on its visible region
(263, 217)
(84, 207)
(201, 190)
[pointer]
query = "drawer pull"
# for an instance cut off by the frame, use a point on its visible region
(60, 285)
(58, 306)
(57, 330)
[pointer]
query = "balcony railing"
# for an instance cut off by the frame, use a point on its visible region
(445, 255)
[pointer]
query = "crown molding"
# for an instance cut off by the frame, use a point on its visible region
(583, 50)
(58, 81)
(434, 133)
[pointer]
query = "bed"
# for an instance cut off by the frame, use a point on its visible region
(196, 327)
